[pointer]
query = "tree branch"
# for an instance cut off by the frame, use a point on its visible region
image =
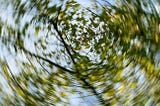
(47, 60)
(63, 41)
(93, 90)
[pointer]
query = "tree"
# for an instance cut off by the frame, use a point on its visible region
(53, 51)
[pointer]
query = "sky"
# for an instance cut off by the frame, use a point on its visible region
(85, 3)
(4, 54)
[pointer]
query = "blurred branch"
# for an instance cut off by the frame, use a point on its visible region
(47, 60)
(77, 71)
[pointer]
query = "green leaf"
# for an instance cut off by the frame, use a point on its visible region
(37, 30)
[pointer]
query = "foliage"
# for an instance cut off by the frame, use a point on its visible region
(54, 52)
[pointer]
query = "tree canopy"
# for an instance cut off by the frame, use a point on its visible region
(60, 52)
